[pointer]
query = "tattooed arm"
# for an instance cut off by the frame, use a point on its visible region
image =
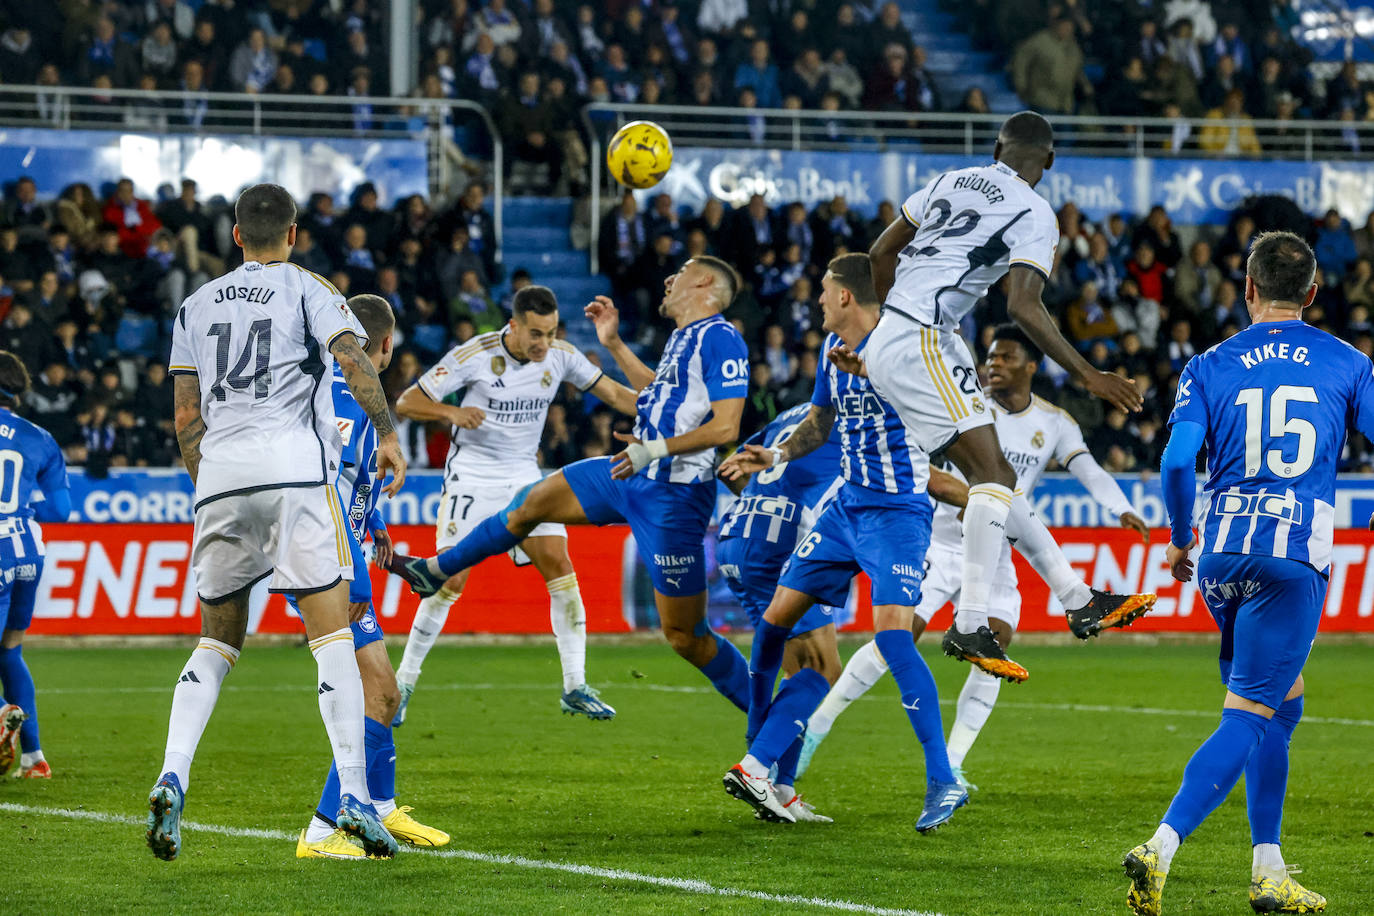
(362, 380)
(809, 435)
(189, 424)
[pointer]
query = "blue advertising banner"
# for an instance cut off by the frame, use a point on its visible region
(1192, 190)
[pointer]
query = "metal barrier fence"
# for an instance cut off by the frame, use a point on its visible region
(136, 111)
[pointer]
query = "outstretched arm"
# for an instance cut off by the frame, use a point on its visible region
(882, 254)
(606, 319)
(809, 435)
(721, 429)
(610, 391)
(416, 404)
(361, 378)
(1107, 492)
(186, 418)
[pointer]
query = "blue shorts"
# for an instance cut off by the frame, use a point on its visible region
(668, 520)
(751, 567)
(21, 565)
(1268, 611)
(861, 530)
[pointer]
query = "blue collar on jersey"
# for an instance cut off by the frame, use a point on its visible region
(700, 320)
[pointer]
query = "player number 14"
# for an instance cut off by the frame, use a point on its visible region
(1280, 425)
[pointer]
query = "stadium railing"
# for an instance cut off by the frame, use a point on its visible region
(137, 111)
(958, 134)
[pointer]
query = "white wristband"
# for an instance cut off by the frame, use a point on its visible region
(778, 457)
(640, 454)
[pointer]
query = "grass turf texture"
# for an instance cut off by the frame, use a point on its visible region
(486, 756)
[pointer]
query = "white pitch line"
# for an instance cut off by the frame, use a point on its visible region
(690, 885)
(683, 688)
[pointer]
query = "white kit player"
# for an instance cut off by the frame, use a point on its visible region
(509, 378)
(254, 414)
(956, 237)
(1032, 432)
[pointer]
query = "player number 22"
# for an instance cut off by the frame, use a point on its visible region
(1280, 425)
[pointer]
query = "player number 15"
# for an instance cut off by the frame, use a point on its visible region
(1280, 425)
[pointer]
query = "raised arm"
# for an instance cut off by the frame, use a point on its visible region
(1027, 310)
(721, 429)
(187, 420)
(361, 378)
(809, 435)
(606, 319)
(882, 254)
(611, 392)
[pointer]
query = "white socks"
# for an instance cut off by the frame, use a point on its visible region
(1168, 841)
(192, 702)
(751, 765)
(975, 705)
(429, 620)
(1269, 862)
(32, 758)
(1034, 541)
(340, 690)
(318, 830)
(864, 668)
(985, 527)
(569, 620)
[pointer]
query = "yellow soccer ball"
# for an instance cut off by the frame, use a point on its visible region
(639, 154)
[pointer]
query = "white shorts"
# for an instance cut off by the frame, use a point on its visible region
(298, 535)
(467, 503)
(944, 580)
(928, 375)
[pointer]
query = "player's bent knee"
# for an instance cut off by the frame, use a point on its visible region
(12, 639)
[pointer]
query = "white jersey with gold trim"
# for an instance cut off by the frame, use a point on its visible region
(258, 339)
(515, 396)
(971, 226)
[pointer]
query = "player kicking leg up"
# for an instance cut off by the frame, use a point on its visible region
(956, 237)
(661, 484)
(506, 379)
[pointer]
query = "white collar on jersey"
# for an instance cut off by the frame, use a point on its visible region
(506, 349)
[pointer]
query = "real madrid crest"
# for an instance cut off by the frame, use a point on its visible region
(978, 406)
(452, 529)
(1038, 440)
(498, 365)
(547, 380)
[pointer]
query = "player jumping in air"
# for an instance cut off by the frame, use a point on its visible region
(1032, 432)
(356, 483)
(661, 484)
(30, 463)
(509, 378)
(956, 237)
(1272, 405)
(255, 421)
(879, 524)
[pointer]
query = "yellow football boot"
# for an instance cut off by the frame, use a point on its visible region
(1147, 880)
(408, 830)
(338, 845)
(1286, 896)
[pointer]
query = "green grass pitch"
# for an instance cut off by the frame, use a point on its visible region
(1075, 767)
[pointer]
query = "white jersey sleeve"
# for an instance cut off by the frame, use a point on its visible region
(1068, 439)
(577, 369)
(183, 358)
(1033, 240)
(452, 373)
(915, 205)
(328, 315)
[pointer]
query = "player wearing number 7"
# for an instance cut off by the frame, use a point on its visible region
(1272, 404)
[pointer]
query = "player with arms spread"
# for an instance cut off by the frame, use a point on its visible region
(661, 483)
(31, 463)
(255, 421)
(1032, 432)
(956, 237)
(1272, 405)
(508, 379)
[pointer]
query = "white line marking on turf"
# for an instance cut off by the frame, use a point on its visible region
(683, 688)
(690, 885)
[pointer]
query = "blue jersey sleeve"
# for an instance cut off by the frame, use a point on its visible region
(821, 395)
(352, 420)
(1189, 402)
(1362, 401)
(724, 363)
(52, 474)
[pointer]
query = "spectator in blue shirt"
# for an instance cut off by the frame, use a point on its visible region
(760, 74)
(1335, 248)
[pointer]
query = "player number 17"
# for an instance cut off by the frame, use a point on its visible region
(1280, 425)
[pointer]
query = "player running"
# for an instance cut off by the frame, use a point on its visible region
(509, 378)
(661, 484)
(879, 524)
(774, 511)
(356, 483)
(255, 422)
(1032, 432)
(1272, 404)
(30, 464)
(956, 237)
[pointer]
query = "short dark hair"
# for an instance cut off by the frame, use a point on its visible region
(854, 271)
(1282, 266)
(375, 315)
(726, 271)
(14, 378)
(264, 213)
(537, 299)
(1013, 333)
(1027, 128)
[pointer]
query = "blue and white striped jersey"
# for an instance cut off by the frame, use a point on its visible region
(1275, 401)
(703, 362)
(877, 451)
(30, 462)
(774, 501)
(358, 469)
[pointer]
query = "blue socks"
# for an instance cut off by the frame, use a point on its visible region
(381, 770)
(919, 698)
(787, 763)
(18, 687)
(486, 540)
(1266, 774)
(729, 672)
(796, 701)
(1215, 768)
(765, 660)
